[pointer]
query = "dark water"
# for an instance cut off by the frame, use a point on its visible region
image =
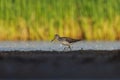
(56, 64)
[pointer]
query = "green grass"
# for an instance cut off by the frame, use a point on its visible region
(41, 19)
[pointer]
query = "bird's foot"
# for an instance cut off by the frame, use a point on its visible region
(67, 48)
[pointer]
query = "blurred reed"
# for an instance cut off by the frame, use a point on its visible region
(41, 19)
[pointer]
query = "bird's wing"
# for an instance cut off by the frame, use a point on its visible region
(70, 40)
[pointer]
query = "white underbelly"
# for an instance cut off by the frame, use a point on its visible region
(65, 43)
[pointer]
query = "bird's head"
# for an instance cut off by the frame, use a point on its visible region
(55, 37)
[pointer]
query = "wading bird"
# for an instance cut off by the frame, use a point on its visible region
(65, 40)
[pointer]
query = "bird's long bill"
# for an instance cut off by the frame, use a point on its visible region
(52, 39)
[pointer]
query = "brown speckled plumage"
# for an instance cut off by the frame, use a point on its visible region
(65, 40)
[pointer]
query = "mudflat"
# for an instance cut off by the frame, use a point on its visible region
(60, 64)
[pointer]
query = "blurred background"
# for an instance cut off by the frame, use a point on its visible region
(41, 19)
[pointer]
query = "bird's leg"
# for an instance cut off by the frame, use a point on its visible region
(64, 48)
(69, 47)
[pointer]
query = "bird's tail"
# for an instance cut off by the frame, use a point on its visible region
(75, 40)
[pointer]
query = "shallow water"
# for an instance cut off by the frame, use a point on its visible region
(56, 46)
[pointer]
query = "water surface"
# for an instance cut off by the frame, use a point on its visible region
(56, 46)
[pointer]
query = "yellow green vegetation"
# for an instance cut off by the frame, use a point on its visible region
(41, 19)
